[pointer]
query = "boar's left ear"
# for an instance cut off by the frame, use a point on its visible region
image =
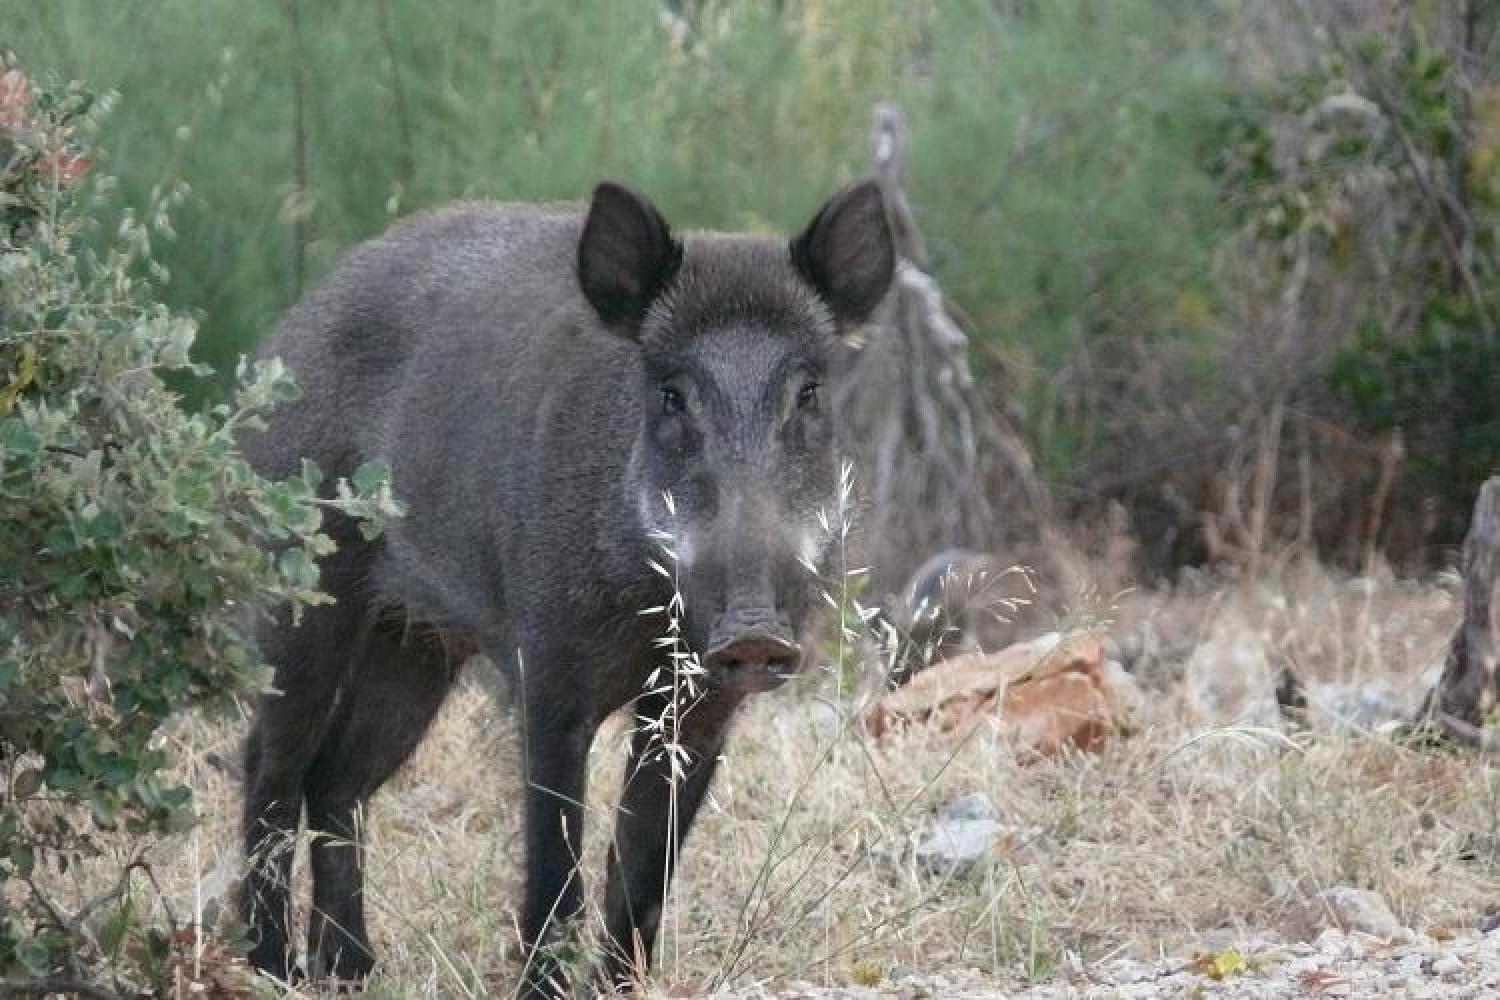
(626, 256)
(847, 253)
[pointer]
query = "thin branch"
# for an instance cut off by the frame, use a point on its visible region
(406, 154)
(57, 985)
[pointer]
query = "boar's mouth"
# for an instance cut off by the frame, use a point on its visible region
(751, 652)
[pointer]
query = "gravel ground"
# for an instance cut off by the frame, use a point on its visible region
(1336, 964)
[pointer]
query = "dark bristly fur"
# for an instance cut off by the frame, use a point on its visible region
(539, 380)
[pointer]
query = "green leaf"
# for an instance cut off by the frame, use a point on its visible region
(312, 476)
(18, 439)
(1220, 965)
(22, 857)
(25, 374)
(105, 528)
(297, 568)
(27, 783)
(35, 957)
(371, 476)
(116, 925)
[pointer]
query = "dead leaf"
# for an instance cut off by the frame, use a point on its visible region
(25, 374)
(1219, 965)
(1322, 981)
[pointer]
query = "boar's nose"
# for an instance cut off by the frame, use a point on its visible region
(753, 642)
(756, 652)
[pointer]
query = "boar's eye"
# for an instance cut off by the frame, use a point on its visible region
(807, 399)
(672, 400)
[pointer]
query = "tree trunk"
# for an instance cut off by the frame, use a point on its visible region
(1456, 707)
(939, 465)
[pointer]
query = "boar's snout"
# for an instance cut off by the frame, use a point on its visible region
(753, 651)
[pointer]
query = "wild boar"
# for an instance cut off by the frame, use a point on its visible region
(561, 395)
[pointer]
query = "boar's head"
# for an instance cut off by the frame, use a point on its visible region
(736, 453)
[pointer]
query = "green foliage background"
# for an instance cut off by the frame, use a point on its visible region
(1055, 145)
(1163, 244)
(1204, 248)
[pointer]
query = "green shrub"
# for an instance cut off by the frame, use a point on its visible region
(1432, 369)
(134, 541)
(1380, 213)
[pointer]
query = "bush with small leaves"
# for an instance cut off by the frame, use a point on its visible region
(136, 548)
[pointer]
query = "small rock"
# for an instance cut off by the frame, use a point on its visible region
(976, 806)
(824, 718)
(216, 890)
(1127, 971)
(1228, 677)
(1362, 706)
(1447, 965)
(963, 832)
(1217, 939)
(955, 845)
(1363, 910)
(231, 765)
(1329, 940)
(1489, 922)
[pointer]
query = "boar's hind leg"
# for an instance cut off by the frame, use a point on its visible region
(650, 829)
(310, 662)
(399, 680)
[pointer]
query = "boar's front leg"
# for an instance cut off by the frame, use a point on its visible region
(557, 727)
(650, 827)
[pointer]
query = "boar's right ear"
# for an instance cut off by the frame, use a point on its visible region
(847, 252)
(626, 256)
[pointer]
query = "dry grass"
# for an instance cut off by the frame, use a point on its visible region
(1195, 830)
